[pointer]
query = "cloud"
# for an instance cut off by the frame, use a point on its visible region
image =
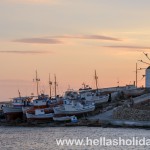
(129, 47)
(59, 39)
(33, 1)
(39, 40)
(14, 81)
(25, 52)
(92, 37)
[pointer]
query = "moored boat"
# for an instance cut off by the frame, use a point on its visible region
(133, 92)
(39, 114)
(14, 111)
(73, 107)
(42, 108)
(95, 97)
(62, 118)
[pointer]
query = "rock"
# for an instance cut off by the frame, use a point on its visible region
(129, 113)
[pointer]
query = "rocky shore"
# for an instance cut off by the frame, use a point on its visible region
(131, 114)
(120, 113)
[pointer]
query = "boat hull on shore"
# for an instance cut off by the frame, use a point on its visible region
(62, 110)
(12, 113)
(134, 92)
(61, 118)
(44, 117)
(99, 99)
(40, 117)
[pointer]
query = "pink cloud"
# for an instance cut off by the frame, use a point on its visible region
(34, 1)
(25, 52)
(39, 40)
(92, 37)
(129, 47)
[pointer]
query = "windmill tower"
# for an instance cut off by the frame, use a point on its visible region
(147, 71)
(147, 79)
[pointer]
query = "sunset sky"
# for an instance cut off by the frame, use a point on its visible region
(71, 38)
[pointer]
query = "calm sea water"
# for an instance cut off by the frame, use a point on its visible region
(44, 138)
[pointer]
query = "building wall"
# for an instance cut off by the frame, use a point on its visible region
(147, 78)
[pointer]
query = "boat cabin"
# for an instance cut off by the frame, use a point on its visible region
(21, 101)
(39, 112)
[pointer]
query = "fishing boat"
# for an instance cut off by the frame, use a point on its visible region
(93, 95)
(133, 92)
(14, 110)
(40, 102)
(39, 114)
(73, 107)
(61, 118)
(41, 109)
(71, 94)
(42, 106)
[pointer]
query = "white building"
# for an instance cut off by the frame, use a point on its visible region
(147, 82)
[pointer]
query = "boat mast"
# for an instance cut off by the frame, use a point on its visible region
(50, 87)
(55, 83)
(83, 85)
(19, 93)
(96, 80)
(37, 83)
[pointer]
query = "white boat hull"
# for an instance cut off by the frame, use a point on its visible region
(7, 110)
(61, 110)
(24, 109)
(63, 118)
(40, 117)
(135, 92)
(99, 99)
(12, 113)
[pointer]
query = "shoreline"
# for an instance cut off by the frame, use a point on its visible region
(83, 123)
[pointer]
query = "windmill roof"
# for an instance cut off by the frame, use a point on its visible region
(148, 67)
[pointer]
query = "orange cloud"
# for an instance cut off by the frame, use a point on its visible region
(39, 40)
(91, 36)
(129, 47)
(33, 1)
(25, 52)
(58, 39)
